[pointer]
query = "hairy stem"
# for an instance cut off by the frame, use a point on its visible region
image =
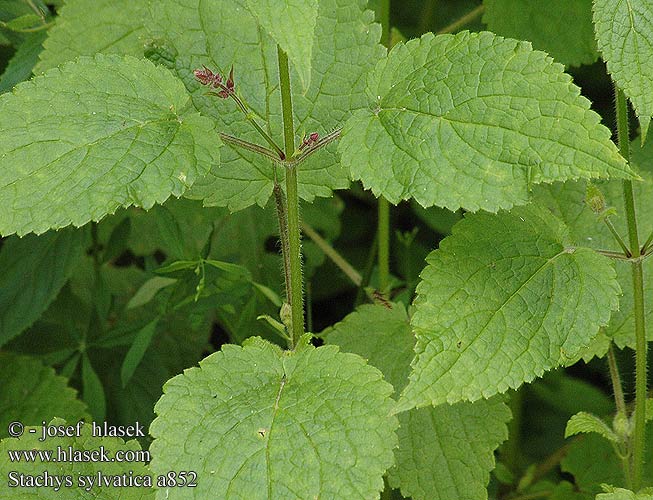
(333, 254)
(639, 435)
(282, 217)
(295, 294)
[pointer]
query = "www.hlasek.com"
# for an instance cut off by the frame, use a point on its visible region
(64, 456)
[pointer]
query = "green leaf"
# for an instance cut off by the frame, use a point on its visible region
(566, 201)
(97, 134)
(262, 423)
(78, 486)
(592, 460)
(101, 26)
(624, 31)
(612, 493)
(380, 335)
(34, 269)
(504, 299)
(447, 452)
(546, 24)
(149, 289)
(137, 351)
(93, 390)
(473, 120)
(21, 64)
(291, 23)
(444, 452)
(33, 393)
(214, 33)
(583, 423)
(24, 22)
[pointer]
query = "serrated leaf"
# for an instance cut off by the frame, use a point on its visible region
(546, 24)
(584, 423)
(261, 423)
(473, 120)
(624, 30)
(612, 493)
(33, 393)
(34, 270)
(447, 451)
(504, 299)
(87, 27)
(83, 475)
(444, 452)
(566, 201)
(214, 33)
(95, 135)
(291, 23)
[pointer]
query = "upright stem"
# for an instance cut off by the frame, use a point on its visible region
(295, 294)
(617, 388)
(383, 219)
(384, 243)
(639, 436)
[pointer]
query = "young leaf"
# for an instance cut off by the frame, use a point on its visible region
(21, 64)
(612, 493)
(81, 473)
(87, 28)
(34, 270)
(547, 26)
(505, 298)
(624, 31)
(473, 120)
(92, 390)
(97, 134)
(444, 452)
(584, 422)
(291, 23)
(33, 393)
(137, 350)
(262, 423)
(150, 288)
(345, 47)
(592, 460)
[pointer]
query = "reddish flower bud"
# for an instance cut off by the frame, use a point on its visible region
(230, 80)
(308, 141)
(207, 77)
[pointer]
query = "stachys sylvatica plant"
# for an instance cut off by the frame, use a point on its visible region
(159, 163)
